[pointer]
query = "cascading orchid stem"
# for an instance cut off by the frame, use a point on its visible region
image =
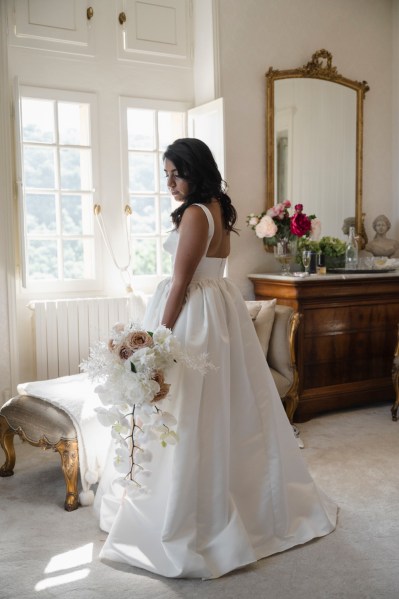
(131, 370)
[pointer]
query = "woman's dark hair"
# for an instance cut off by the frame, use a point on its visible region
(195, 163)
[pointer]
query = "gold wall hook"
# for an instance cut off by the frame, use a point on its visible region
(122, 18)
(128, 210)
(97, 209)
(90, 13)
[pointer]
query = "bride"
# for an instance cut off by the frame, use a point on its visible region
(234, 489)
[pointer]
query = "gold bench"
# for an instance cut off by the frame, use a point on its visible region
(42, 425)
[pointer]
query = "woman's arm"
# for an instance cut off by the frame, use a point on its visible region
(193, 235)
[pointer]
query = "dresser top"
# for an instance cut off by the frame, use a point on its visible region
(301, 278)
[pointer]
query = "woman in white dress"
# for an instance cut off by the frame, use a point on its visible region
(234, 489)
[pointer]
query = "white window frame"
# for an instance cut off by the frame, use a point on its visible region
(146, 283)
(49, 286)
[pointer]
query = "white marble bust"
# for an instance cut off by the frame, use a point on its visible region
(381, 245)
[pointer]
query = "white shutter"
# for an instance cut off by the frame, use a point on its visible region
(18, 172)
(206, 123)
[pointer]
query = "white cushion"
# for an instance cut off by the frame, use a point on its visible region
(253, 309)
(263, 320)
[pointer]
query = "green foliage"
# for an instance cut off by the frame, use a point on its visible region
(304, 243)
(332, 246)
(329, 246)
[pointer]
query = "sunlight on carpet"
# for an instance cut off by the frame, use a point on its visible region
(70, 560)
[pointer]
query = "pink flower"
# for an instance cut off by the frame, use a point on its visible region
(159, 378)
(132, 342)
(273, 211)
(278, 210)
(266, 227)
(315, 229)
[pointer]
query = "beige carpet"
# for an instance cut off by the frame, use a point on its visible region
(353, 455)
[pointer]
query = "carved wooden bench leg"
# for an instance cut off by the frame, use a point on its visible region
(69, 453)
(291, 399)
(291, 403)
(7, 443)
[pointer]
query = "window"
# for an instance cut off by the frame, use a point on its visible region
(57, 187)
(148, 132)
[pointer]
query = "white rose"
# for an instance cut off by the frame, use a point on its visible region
(253, 221)
(266, 227)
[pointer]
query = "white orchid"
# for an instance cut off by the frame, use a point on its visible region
(168, 438)
(121, 459)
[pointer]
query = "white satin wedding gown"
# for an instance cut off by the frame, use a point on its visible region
(235, 488)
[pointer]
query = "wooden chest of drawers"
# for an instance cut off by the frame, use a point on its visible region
(346, 339)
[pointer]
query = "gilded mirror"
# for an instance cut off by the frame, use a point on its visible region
(314, 142)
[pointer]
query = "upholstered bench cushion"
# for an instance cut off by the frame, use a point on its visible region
(75, 396)
(282, 383)
(262, 314)
(38, 419)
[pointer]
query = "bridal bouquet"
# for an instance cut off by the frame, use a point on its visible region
(131, 370)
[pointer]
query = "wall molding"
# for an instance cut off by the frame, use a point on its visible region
(7, 222)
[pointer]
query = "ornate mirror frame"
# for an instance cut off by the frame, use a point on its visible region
(320, 67)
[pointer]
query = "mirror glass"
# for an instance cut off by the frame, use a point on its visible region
(314, 142)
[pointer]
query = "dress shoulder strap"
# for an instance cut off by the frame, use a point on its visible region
(210, 219)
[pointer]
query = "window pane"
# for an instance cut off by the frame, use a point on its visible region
(166, 209)
(163, 188)
(144, 257)
(141, 129)
(149, 132)
(42, 260)
(73, 259)
(76, 211)
(39, 170)
(37, 120)
(73, 123)
(57, 186)
(166, 261)
(143, 219)
(40, 212)
(141, 172)
(75, 168)
(170, 127)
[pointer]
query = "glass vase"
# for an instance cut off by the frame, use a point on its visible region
(285, 252)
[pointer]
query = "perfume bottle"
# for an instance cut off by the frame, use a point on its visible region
(351, 252)
(321, 264)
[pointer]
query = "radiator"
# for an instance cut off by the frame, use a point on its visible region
(65, 330)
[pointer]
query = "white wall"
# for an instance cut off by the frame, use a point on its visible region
(257, 34)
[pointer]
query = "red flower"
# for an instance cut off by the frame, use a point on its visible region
(300, 223)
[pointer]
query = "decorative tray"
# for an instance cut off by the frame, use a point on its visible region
(359, 271)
